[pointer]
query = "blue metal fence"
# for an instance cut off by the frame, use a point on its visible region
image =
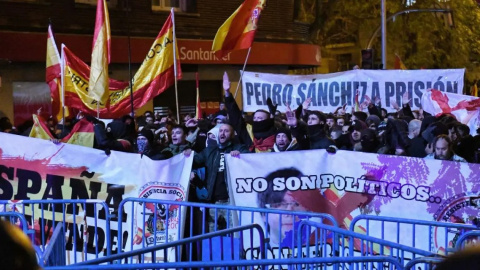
(345, 243)
(434, 236)
(85, 225)
(357, 263)
(200, 214)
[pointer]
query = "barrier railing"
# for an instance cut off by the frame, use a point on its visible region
(177, 245)
(345, 243)
(16, 219)
(424, 263)
(432, 236)
(306, 263)
(54, 254)
(461, 241)
(85, 224)
(280, 225)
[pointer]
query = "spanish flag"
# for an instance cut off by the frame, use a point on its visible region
(155, 75)
(53, 76)
(98, 83)
(474, 89)
(238, 31)
(399, 63)
(81, 134)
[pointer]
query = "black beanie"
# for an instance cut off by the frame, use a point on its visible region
(286, 131)
(147, 133)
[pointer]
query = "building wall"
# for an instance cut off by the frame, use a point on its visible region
(276, 23)
(67, 17)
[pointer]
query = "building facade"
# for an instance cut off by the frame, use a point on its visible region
(281, 44)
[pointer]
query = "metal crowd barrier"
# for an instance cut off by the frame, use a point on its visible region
(166, 215)
(16, 219)
(177, 247)
(434, 236)
(85, 225)
(357, 263)
(467, 237)
(344, 243)
(54, 254)
(424, 263)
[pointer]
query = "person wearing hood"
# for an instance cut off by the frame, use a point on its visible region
(260, 135)
(146, 145)
(317, 134)
(114, 137)
(355, 135)
(213, 159)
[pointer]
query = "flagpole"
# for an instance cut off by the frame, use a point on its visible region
(175, 65)
(62, 82)
(243, 70)
(130, 60)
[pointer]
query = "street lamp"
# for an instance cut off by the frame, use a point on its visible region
(384, 20)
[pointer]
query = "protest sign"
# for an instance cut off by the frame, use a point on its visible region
(33, 169)
(330, 91)
(347, 184)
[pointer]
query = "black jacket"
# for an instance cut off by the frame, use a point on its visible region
(210, 159)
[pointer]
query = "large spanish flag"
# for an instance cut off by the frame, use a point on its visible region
(238, 31)
(81, 134)
(98, 83)
(155, 75)
(53, 76)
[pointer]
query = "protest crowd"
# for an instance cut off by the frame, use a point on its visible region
(366, 128)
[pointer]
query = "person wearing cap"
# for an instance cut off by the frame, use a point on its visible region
(317, 134)
(146, 144)
(355, 135)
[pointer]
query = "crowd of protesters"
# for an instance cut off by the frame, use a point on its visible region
(370, 129)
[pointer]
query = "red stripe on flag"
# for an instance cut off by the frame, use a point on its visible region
(442, 101)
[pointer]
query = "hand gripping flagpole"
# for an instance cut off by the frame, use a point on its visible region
(175, 65)
(243, 70)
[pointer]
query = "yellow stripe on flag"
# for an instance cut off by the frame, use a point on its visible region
(39, 129)
(98, 83)
(153, 77)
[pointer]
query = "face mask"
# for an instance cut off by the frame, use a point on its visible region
(142, 145)
(263, 126)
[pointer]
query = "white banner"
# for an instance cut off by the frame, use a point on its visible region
(465, 108)
(330, 91)
(347, 184)
(33, 169)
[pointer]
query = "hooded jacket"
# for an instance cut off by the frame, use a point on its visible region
(210, 159)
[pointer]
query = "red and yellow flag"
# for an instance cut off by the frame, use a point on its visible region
(98, 83)
(399, 63)
(155, 75)
(238, 31)
(81, 134)
(474, 89)
(198, 109)
(53, 76)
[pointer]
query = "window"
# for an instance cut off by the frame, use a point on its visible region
(110, 3)
(177, 5)
(28, 1)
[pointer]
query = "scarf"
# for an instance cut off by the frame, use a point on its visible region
(263, 144)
